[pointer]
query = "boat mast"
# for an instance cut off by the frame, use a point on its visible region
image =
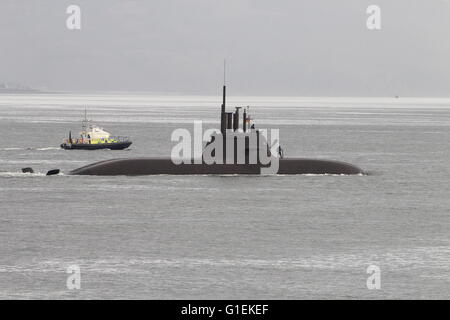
(84, 123)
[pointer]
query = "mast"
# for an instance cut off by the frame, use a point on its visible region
(84, 122)
(222, 114)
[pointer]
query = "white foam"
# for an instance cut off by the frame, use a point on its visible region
(21, 174)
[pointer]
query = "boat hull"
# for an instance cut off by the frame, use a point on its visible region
(99, 146)
(155, 166)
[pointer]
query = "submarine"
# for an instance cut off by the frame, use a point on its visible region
(228, 161)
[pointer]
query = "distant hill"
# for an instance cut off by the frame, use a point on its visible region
(9, 87)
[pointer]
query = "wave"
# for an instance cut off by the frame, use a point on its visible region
(30, 148)
(11, 149)
(433, 257)
(46, 148)
(19, 174)
(9, 174)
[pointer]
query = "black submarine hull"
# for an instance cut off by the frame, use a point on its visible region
(157, 166)
(97, 146)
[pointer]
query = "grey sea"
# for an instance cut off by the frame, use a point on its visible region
(226, 237)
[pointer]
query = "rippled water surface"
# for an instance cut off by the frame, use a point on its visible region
(232, 237)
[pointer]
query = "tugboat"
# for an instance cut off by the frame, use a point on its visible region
(93, 137)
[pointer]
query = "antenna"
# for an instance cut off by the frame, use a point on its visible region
(224, 71)
(85, 121)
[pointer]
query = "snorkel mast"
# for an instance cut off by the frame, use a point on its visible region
(223, 115)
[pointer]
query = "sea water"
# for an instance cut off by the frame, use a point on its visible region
(226, 237)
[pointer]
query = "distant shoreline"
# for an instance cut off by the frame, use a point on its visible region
(26, 91)
(19, 91)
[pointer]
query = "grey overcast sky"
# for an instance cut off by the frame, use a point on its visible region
(283, 47)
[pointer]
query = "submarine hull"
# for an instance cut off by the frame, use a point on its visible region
(97, 146)
(155, 166)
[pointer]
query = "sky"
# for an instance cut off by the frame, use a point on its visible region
(284, 47)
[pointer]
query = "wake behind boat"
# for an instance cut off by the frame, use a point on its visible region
(93, 137)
